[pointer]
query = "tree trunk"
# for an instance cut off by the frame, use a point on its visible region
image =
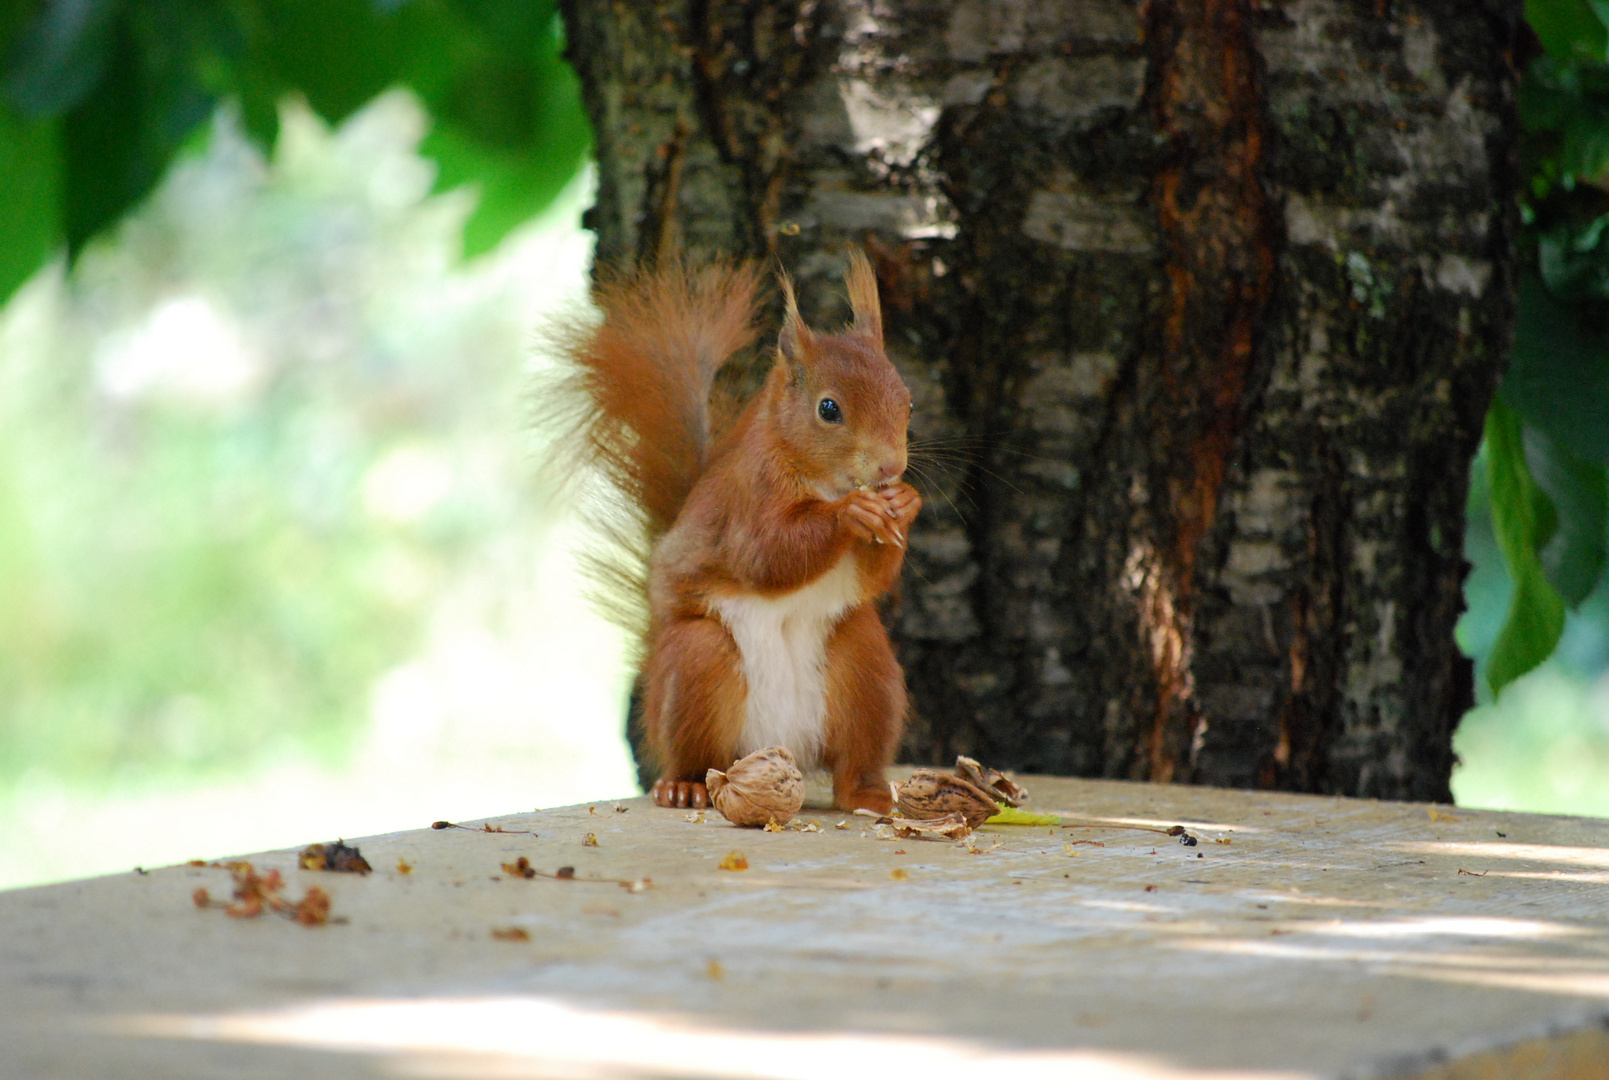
(1201, 302)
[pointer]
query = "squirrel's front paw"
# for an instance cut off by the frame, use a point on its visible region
(680, 793)
(903, 503)
(868, 517)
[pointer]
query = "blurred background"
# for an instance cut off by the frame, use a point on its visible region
(275, 562)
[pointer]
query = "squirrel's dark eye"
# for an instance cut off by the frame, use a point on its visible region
(829, 411)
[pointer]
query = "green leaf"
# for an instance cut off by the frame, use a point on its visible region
(511, 124)
(1568, 29)
(1573, 552)
(1558, 375)
(116, 89)
(511, 188)
(30, 205)
(505, 108)
(60, 55)
(1536, 612)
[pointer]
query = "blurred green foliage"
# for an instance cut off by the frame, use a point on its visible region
(1544, 745)
(246, 451)
(1547, 436)
(99, 96)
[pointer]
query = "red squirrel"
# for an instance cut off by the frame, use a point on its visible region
(772, 536)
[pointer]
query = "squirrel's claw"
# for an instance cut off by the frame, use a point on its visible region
(867, 523)
(680, 794)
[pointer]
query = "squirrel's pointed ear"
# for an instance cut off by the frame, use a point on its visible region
(795, 340)
(862, 285)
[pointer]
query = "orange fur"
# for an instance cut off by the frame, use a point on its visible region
(758, 628)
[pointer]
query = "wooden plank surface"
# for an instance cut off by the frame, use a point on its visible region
(1301, 936)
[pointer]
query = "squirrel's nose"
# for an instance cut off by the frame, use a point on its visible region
(890, 469)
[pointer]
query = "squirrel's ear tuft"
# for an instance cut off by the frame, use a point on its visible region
(795, 340)
(862, 285)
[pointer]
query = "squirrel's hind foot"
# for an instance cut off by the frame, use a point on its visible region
(874, 797)
(680, 794)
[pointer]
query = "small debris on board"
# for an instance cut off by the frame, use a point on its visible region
(522, 868)
(258, 894)
(337, 857)
(488, 827)
(511, 933)
(1185, 837)
(734, 860)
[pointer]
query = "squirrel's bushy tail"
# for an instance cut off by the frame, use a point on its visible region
(638, 385)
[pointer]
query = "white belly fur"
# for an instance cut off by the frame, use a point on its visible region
(783, 641)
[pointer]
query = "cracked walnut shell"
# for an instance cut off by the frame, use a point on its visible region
(929, 794)
(766, 786)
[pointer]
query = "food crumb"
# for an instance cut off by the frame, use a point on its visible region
(734, 860)
(338, 857)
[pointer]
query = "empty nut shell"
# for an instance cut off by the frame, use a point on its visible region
(766, 786)
(929, 794)
(990, 781)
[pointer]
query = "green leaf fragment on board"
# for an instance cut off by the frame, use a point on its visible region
(1010, 815)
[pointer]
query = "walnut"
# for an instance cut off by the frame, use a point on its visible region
(929, 794)
(763, 787)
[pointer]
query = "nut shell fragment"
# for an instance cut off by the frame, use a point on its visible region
(948, 827)
(929, 794)
(992, 782)
(766, 786)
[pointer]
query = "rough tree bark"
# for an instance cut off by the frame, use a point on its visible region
(1202, 303)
